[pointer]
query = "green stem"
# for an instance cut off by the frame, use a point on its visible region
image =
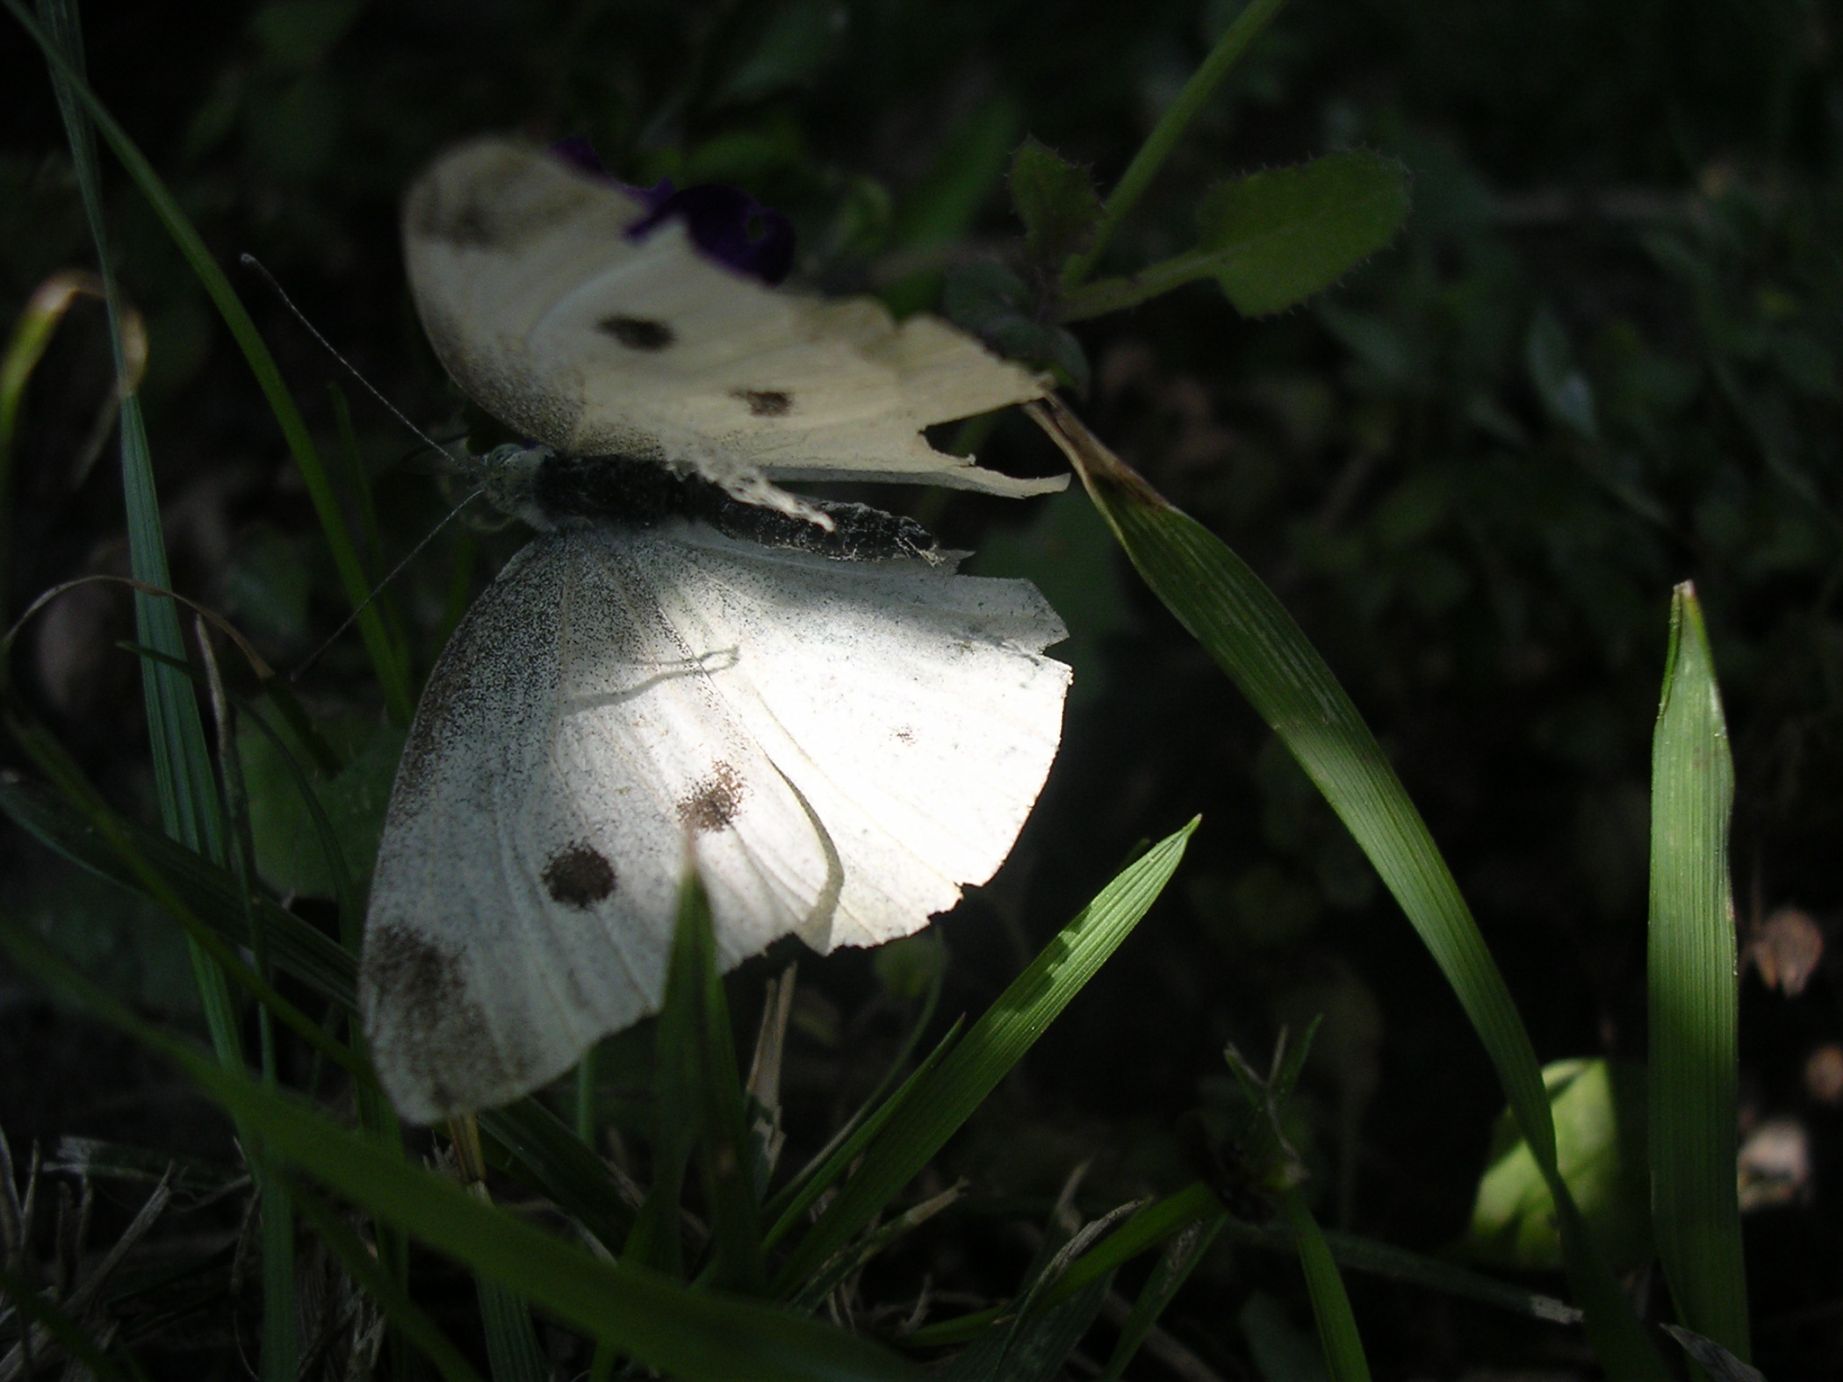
(1129, 290)
(1170, 128)
(587, 1070)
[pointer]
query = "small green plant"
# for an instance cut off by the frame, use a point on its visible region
(708, 1255)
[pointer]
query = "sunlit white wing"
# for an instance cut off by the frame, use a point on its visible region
(845, 743)
(553, 320)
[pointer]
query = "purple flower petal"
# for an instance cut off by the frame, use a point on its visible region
(724, 222)
(577, 151)
(728, 225)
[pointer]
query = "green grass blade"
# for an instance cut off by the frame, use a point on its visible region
(1275, 1169)
(666, 1326)
(280, 1348)
(1174, 1268)
(1196, 1207)
(947, 1097)
(544, 1154)
(810, 1294)
(1693, 994)
(1337, 1327)
(845, 1151)
(1180, 1257)
(391, 674)
(512, 1350)
(1156, 1223)
(1237, 620)
(723, 1153)
(829, 1162)
(189, 807)
(1035, 1347)
(657, 1239)
(281, 1344)
(182, 766)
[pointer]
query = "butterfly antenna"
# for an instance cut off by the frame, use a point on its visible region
(389, 576)
(250, 261)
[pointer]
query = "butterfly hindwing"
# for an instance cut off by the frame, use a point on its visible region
(842, 744)
(912, 709)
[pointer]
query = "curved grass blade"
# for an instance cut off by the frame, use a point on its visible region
(391, 674)
(1337, 1327)
(1277, 1171)
(1194, 1206)
(946, 1097)
(1197, 1209)
(666, 1326)
(1239, 622)
(38, 321)
(512, 1349)
(176, 733)
(1036, 1346)
(785, 1205)
(830, 1163)
(544, 1154)
(699, 1109)
(1180, 1257)
(723, 1153)
(1693, 994)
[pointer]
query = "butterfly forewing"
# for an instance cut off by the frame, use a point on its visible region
(594, 343)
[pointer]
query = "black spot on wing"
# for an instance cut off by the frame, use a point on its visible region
(638, 333)
(578, 876)
(766, 402)
(713, 801)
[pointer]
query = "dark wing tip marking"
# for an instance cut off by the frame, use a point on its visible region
(472, 209)
(638, 333)
(765, 402)
(465, 224)
(440, 1038)
(414, 971)
(578, 876)
(713, 801)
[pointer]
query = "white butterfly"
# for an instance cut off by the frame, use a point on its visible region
(845, 741)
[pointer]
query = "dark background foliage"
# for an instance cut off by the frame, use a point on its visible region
(1602, 359)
